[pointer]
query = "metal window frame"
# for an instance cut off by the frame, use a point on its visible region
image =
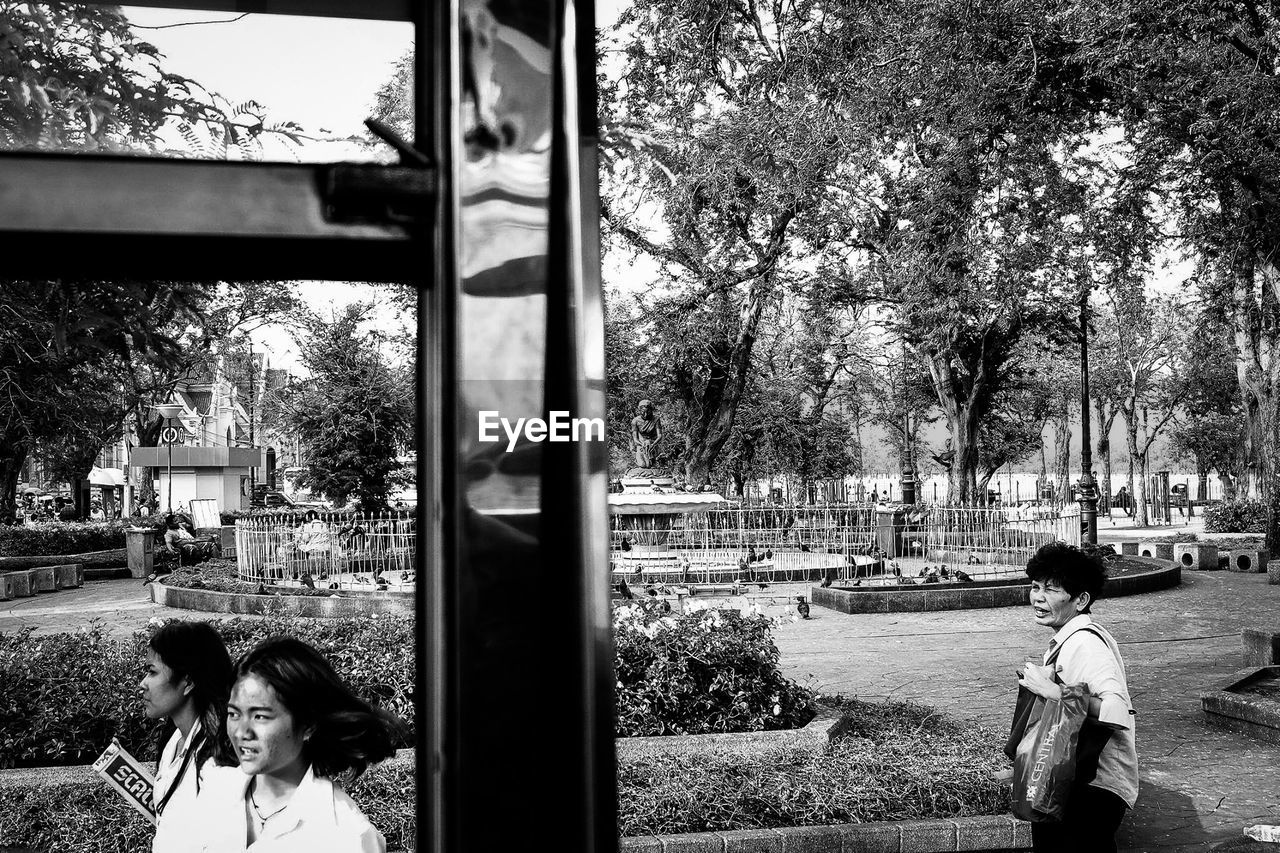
(218, 221)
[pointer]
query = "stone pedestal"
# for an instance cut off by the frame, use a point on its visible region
(1249, 560)
(140, 551)
(1158, 550)
(1273, 573)
(1197, 556)
(1129, 549)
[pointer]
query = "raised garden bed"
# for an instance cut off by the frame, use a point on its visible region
(1126, 576)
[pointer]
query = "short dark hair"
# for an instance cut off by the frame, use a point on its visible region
(349, 734)
(1069, 567)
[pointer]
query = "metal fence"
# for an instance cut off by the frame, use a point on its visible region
(332, 551)
(838, 541)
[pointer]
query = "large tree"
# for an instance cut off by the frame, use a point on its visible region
(354, 415)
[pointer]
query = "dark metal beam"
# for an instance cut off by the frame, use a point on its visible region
(142, 217)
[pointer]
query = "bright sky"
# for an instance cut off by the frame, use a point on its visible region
(322, 73)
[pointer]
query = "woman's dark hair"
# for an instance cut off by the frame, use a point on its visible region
(195, 651)
(347, 734)
(171, 521)
(1069, 567)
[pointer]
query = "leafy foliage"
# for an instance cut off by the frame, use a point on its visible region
(49, 538)
(71, 816)
(74, 76)
(1241, 516)
(701, 671)
(66, 695)
(355, 415)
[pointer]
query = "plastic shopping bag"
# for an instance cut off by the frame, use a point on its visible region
(1045, 764)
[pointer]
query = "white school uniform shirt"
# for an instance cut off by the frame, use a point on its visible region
(320, 818)
(178, 812)
(1094, 659)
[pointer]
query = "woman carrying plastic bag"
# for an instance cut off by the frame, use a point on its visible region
(1076, 787)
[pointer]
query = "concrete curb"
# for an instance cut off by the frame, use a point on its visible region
(815, 736)
(1163, 574)
(317, 606)
(112, 558)
(983, 832)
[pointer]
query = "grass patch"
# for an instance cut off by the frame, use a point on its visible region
(219, 575)
(897, 761)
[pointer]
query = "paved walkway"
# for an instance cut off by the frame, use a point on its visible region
(1200, 786)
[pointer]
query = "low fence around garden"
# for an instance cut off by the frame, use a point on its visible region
(333, 550)
(798, 543)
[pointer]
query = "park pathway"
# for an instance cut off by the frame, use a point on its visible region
(1200, 786)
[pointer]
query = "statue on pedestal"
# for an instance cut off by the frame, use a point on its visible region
(646, 431)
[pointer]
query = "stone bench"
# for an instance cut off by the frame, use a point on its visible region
(1198, 556)
(1261, 647)
(1158, 550)
(17, 584)
(1250, 560)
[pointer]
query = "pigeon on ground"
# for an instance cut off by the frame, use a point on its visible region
(826, 582)
(803, 607)
(652, 591)
(973, 561)
(945, 572)
(932, 579)
(624, 590)
(804, 547)
(963, 577)
(858, 582)
(666, 606)
(626, 544)
(262, 589)
(308, 582)
(768, 553)
(333, 585)
(925, 571)
(763, 585)
(751, 554)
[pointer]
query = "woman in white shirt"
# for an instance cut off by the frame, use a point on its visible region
(292, 725)
(186, 684)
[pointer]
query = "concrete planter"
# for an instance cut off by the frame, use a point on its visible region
(1273, 573)
(1197, 556)
(333, 606)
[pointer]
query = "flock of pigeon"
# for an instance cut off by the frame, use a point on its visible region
(378, 581)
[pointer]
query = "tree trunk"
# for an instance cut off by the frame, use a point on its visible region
(1062, 453)
(962, 416)
(1137, 470)
(1256, 373)
(12, 458)
(709, 434)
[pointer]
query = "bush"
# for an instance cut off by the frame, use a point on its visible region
(65, 695)
(90, 817)
(47, 538)
(1244, 516)
(896, 761)
(701, 671)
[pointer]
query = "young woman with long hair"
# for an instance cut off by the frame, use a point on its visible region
(186, 683)
(292, 725)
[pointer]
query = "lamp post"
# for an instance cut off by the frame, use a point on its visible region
(169, 411)
(1088, 488)
(908, 475)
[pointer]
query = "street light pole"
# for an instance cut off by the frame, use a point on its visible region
(1088, 488)
(908, 475)
(169, 411)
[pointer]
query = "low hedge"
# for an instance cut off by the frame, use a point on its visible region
(700, 671)
(1242, 516)
(47, 538)
(65, 695)
(90, 817)
(896, 761)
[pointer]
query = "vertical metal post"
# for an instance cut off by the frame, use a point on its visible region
(1088, 488)
(170, 446)
(908, 475)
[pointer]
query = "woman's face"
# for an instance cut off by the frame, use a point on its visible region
(161, 697)
(262, 730)
(1052, 605)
